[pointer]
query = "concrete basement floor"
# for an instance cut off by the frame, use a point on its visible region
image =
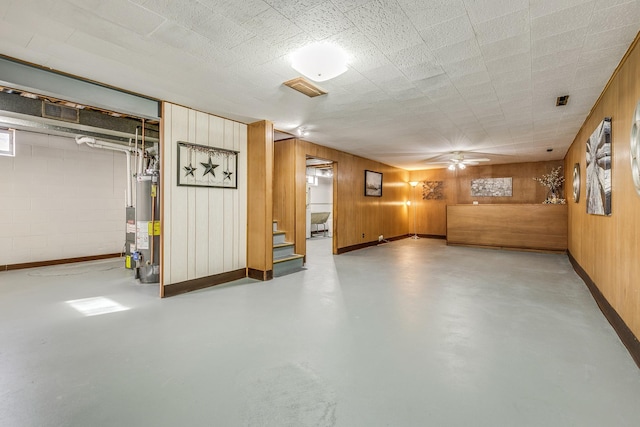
(409, 333)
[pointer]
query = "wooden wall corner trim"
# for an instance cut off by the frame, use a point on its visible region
(627, 337)
(260, 154)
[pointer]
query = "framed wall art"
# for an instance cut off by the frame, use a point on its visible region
(432, 190)
(372, 183)
(492, 187)
(203, 166)
(599, 170)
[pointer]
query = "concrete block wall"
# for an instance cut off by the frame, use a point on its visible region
(60, 200)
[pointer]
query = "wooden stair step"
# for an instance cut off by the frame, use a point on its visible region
(287, 258)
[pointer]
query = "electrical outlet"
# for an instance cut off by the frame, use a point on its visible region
(363, 235)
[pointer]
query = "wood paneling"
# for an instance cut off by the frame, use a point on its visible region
(260, 197)
(201, 227)
(284, 187)
(626, 335)
(540, 227)
(608, 248)
(432, 214)
(357, 219)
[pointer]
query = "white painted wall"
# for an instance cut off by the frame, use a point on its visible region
(59, 200)
(321, 200)
(205, 228)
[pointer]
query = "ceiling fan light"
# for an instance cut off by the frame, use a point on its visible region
(451, 167)
(320, 61)
(461, 165)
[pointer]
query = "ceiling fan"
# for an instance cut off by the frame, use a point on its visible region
(456, 160)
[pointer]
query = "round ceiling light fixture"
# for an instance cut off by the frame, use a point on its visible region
(320, 61)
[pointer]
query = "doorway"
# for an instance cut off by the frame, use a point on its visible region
(319, 200)
(76, 177)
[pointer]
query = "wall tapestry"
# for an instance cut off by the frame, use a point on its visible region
(432, 190)
(599, 169)
(372, 183)
(491, 187)
(203, 166)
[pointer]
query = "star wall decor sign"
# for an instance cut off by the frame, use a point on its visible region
(208, 159)
(209, 168)
(190, 170)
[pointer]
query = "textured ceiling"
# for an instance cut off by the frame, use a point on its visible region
(426, 77)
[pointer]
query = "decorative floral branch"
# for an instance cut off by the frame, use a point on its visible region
(554, 180)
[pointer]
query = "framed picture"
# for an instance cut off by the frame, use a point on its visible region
(598, 194)
(432, 190)
(492, 187)
(372, 183)
(203, 166)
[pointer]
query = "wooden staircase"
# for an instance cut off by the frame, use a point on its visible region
(284, 260)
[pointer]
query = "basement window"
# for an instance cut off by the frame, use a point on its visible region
(7, 142)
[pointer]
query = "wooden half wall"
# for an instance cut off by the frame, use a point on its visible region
(203, 229)
(607, 248)
(357, 220)
(431, 215)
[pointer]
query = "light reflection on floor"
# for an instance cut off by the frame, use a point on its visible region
(96, 306)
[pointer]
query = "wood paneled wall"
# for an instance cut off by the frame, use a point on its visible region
(608, 248)
(204, 229)
(431, 215)
(284, 187)
(357, 219)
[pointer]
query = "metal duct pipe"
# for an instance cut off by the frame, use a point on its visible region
(93, 143)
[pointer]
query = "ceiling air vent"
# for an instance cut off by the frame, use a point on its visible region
(562, 100)
(60, 112)
(303, 85)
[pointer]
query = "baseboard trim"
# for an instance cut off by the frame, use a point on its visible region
(433, 236)
(351, 248)
(509, 248)
(356, 247)
(259, 274)
(203, 282)
(626, 335)
(57, 262)
(393, 239)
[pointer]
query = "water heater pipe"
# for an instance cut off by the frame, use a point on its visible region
(93, 143)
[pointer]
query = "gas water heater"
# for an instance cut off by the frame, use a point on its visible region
(142, 236)
(143, 227)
